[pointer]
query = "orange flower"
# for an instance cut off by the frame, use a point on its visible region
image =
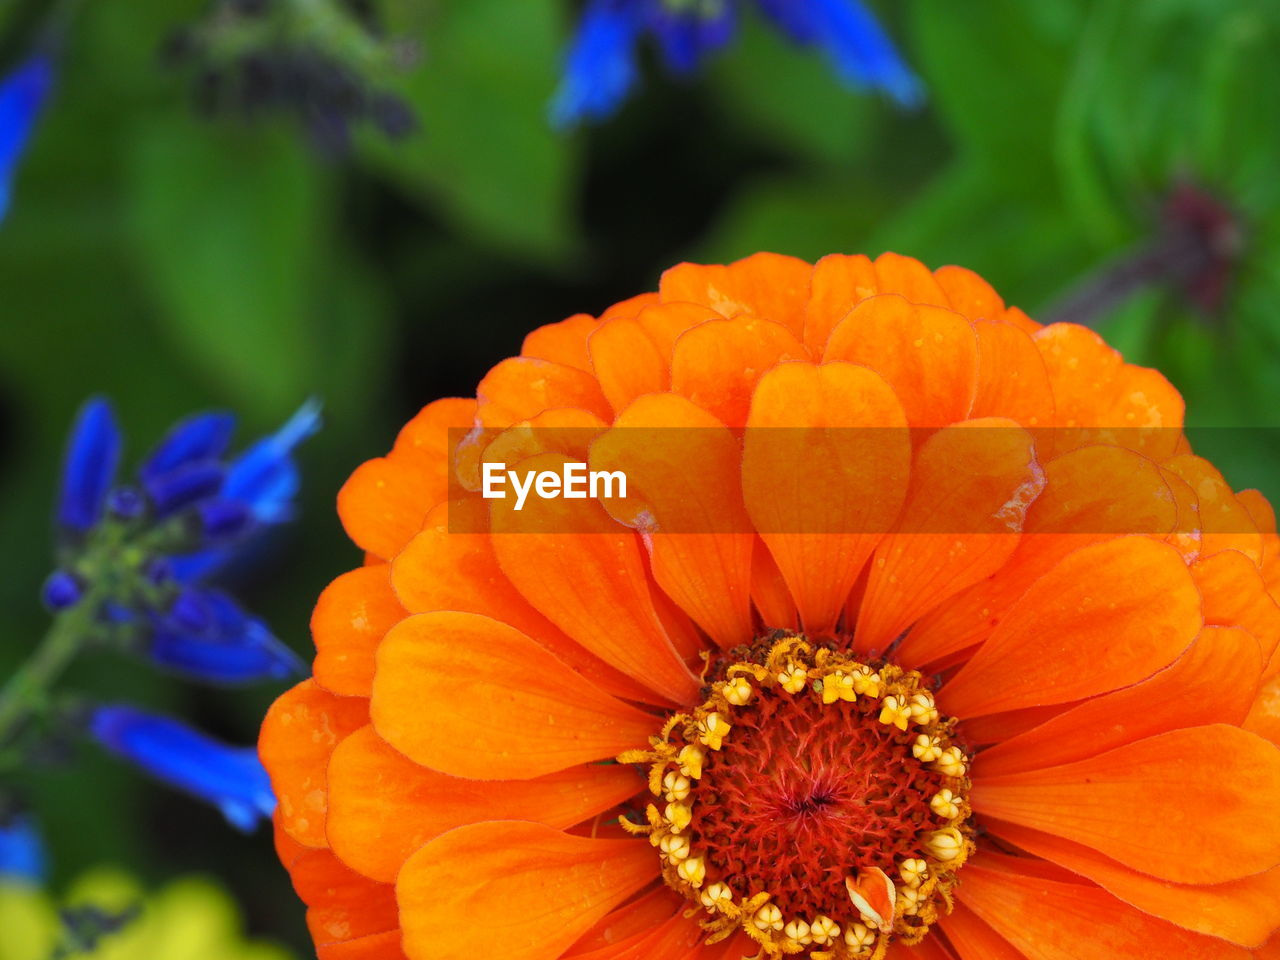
(930, 696)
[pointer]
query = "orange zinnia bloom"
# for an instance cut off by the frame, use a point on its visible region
(934, 699)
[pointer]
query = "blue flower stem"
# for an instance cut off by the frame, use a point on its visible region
(27, 691)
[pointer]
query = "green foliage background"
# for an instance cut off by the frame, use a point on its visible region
(177, 263)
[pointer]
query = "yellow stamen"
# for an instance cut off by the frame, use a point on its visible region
(946, 844)
(712, 729)
(823, 929)
(738, 691)
(951, 762)
(793, 679)
(895, 712)
(716, 896)
(679, 815)
(797, 931)
(913, 872)
(944, 804)
(927, 748)
(690, 759)
(768, 917)
(693, 871)
(676, 786)
(923, 710)
(674, 847)
(859, 936)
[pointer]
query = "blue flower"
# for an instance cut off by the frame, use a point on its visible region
(205, 635)
(93, 456)
(21, 95)
(142, 552)
(230, 778)
(22, 854)
(601, 71)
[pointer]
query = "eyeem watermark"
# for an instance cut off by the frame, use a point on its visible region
(573, 482)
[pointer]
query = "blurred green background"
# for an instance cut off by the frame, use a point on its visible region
(175, 262)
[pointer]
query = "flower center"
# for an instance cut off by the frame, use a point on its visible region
(814, 801)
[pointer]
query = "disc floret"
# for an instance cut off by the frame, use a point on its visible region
(813, 801)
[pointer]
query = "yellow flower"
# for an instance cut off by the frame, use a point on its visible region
(190, 919)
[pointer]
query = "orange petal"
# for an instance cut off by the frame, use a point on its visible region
(636, 917)
(1012, 378)
(718, 363)
(425, 442)
(446, 567)
(532, 890)
(520, 388)
(973, 939)
(1270, 950)
(1090, 494)
(1020, 320)
(766, 285)
(475, 698)
(385, 499)
(1058, 642)
(968, 294)
(930, 948)
(626, 362)
(769, 592)
(350, 619)
(1110, 401)
(1243, 911)
(342, 905)
(927, 354)
(380, 946)
(910, 279)
(383, 806)
(1224, 521)
(675, 938)
(299, 732)
(1264, 714)
(1234, 594)
(586, 574)
(838, 284)
(631, 306)
(684, 485)
(1158, 805)
(1047, 920)
(564, 342)
(970, 488)
(822, 479)
(382, 505)
(1213, 682)
(664, 323)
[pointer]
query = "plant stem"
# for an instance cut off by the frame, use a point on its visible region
(28, 689)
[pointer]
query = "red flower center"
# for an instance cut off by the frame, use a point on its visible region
(813, 801)
(804, 794)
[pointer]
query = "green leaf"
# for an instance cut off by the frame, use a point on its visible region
(227, 230)
(791, 98)
(994, 71)
(486, 156)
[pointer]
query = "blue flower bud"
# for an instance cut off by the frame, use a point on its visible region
(61, 590)
(204, 436)
(207, 637)
(230, 778)
(126, 503)
(189, 484)
(264, 477)
(22, 855)
(93, 455)
(225, 519)
(189, 612)
(22, 93)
